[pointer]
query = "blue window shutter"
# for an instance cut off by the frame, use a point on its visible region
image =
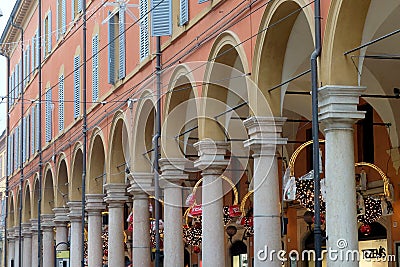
(37, 50)
(73, 9)
(144, 29)
(61, 103)
(95, 68)
(49, 32)
(79, 6)
(33, 130)
(161, 17)
(28, 63)
(48, 115)
(37, 127)
(16, 147)
(76, 87)
(63, 16)
(58, 31)
(202, 1)
(23, 142)
(111, 50)
(18, 81)
(8, 155)
(184, 14)
(33, 53)
(121, 73)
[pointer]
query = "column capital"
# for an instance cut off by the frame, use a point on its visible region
(61, 215)
(172, 171)
(10, 234)
(47, 222)
(95, 203)
(338, 105)
(211, 155)
(26, 229)
(264, 134)
(116, 194)
(34, 225)
(75, 210)
(141, 183)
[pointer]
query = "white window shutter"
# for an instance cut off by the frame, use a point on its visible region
(161, 17)
(121, 73)
(76, 86)
(144, 29)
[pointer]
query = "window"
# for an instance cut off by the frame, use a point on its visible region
(116, 49)
(48, 121)
(95, 68)
(47, 35)
(184, 14)
(76, 8)
(144, 30)
(77, 78)
(61, 18)
(61, 103)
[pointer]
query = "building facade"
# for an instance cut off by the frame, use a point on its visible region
(235, 117)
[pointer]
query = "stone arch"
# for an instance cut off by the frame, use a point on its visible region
(75, 179)
(97, 163)
(62, 181)
(12, 208)
(343, 32)
(48, 192)
(143, 131)
(180, 119)
(27, 204)
(35, 196)
(118, 150)
(269, 65)
(226, 86)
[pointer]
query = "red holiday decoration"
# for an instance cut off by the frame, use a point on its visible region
(234, 211)
(196, 210)
(365, 229)
(196, 249)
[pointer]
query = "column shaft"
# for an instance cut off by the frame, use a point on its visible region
(141, 230)
(34, 249)
(76, 242)
(11, 251)
(48, 247)
(94, 207)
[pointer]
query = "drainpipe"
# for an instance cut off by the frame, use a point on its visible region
(40, 245)
(84, 130)
(7, 157)
(315, 134)
(157, 154)
(21, 179)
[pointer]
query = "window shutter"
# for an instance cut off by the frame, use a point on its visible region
(23, 69)
(17, 73)
(48, 116)
(121, 27)
(8, 155)
(23, 142)
(95, 68)
(144, 29)
(161, 17)
(16, 148)
(73, 10)
(79, 6)
(33, 117)
(63, 16)
(58, 30)
(61, 103)
(37, 50)
(76, 87)
(49, 32)
(37, 127)
(33, 53)
(111, 51)
(28, 64)
(184, 16)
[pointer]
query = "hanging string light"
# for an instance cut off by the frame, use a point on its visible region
(373, 210)
(305, 192)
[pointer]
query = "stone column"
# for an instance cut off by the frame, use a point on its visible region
(60, 220)
(141, 185)
(264, 136)
(16, 247)
(94, 206)
(34, 251)
(27, 245)
(338, 113)
(11, 246)
(171, 179)
(48, 240)
(211, 161)
(76, 242)
(116, 198)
